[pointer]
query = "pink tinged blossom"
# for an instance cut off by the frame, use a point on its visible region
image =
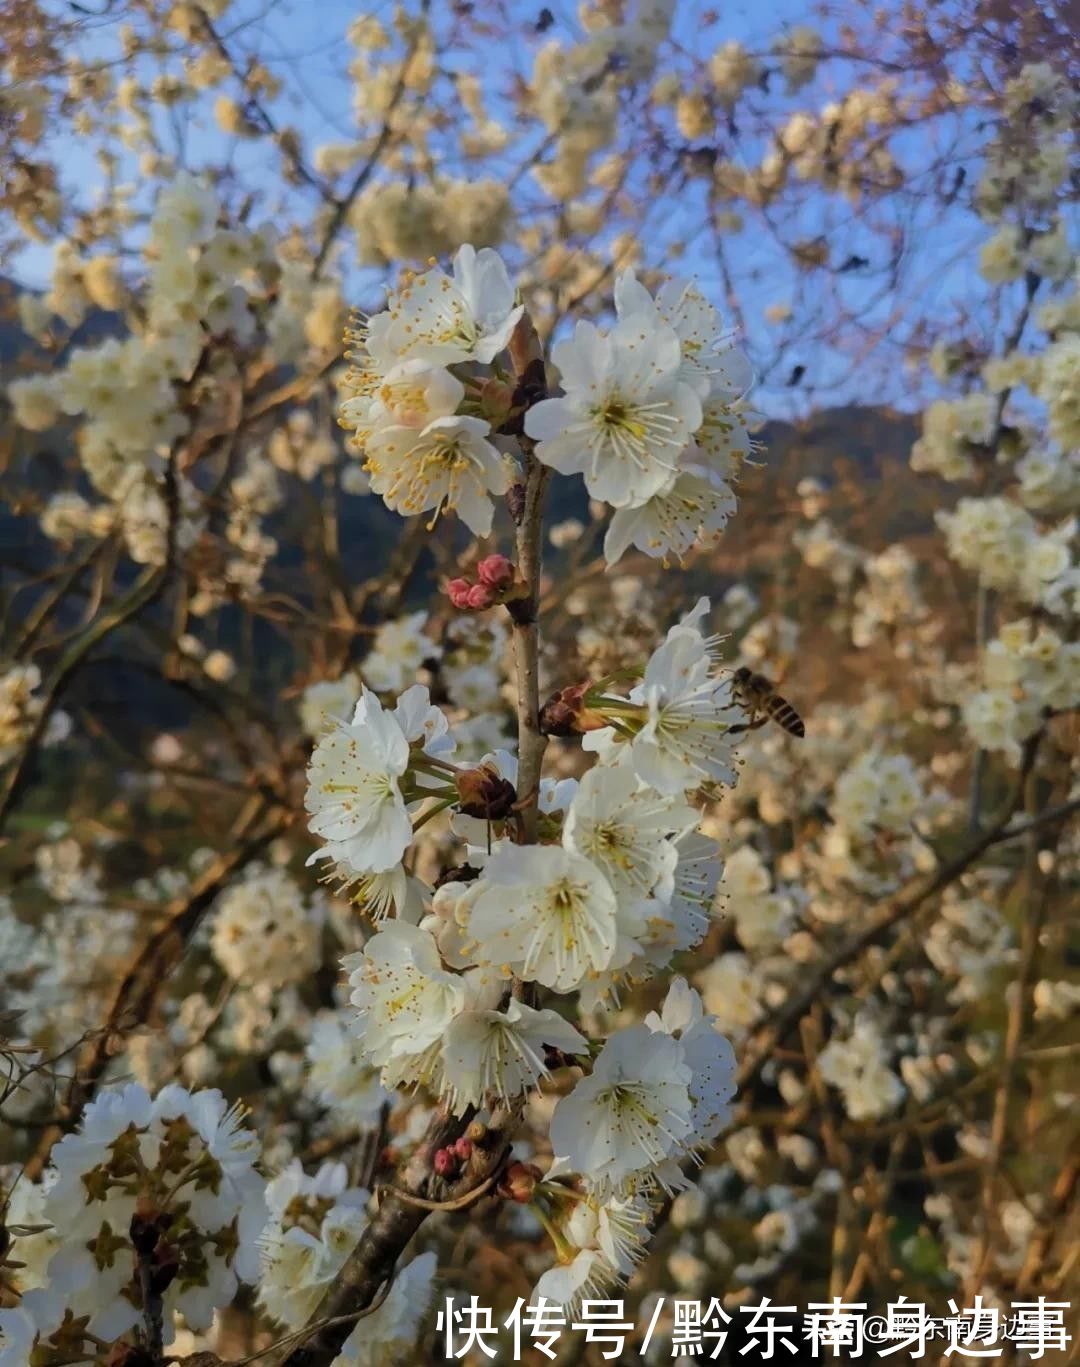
(479, 596)
(458, 592)
(495, 571)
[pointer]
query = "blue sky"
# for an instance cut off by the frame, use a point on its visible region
(304, 43)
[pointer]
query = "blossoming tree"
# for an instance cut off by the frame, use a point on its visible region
(360, 942)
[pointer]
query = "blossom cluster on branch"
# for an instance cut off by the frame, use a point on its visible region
(405, 622)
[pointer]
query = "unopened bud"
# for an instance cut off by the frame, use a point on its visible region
(463, 1149)
(520, 1182)
(496, 401)
(484, 793)
(479, 596)
(496, 571)
(565, 713)
(458, 592)
(477, 1131)
(444, 1162)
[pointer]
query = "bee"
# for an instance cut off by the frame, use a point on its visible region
(755, 693)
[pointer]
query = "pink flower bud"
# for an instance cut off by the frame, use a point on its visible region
(458, 592)
(520, 1182)
(463, 1148)
(479, 596)
(496, 571)
(444, 1162)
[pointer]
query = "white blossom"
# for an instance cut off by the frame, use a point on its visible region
(501, 1053)
(405, 999)
(625, 416)
(633, 1111)
(546, 914)
(354, 790)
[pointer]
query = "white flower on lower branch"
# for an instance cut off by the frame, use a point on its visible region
(315, 1223)
(178, 1167)
(405, 998)
(657, 1092)
(629, 1115)
(354, 790)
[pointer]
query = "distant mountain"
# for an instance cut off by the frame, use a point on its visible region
(860, 452)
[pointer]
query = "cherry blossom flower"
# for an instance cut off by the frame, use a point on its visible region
(501, 1053)
(448, 464)
(546, 914)
(694, 509)
(354, 790)
(625, 829)
(678, 728)
(469, 317)
(625, 416)
(708, 1054)
(710, 364)
(405, 999)
(631, 1113)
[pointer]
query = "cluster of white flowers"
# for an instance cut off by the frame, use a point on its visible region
(840, 146)
(1049, 480)
(337, 1075)
(954, 431)
(969, 941)
(763, 916)
(999, 541)
(1059, 387)
(649, 414)
(823, 548)
(734, 990)
(800, 51)
(300, 447)
(770, 643)
(151, 1197)
(56, 967)
(1028, 159)
(20, 707)
(471, 669)
(408, 411)
(858, 1066)
(1028, 671)
(1056, 1001)
(625, 850)
(265, 931)
(656, 1092)
(878, 793)
(732, 69)
(327, 701)
(315, 1223)
(575, 90)
(889, 598)
(399, 648)
(619, 882)
(205, 284)
(650, 417)
(402, 222)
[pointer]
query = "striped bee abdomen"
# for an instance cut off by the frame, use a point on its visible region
(782, 712)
